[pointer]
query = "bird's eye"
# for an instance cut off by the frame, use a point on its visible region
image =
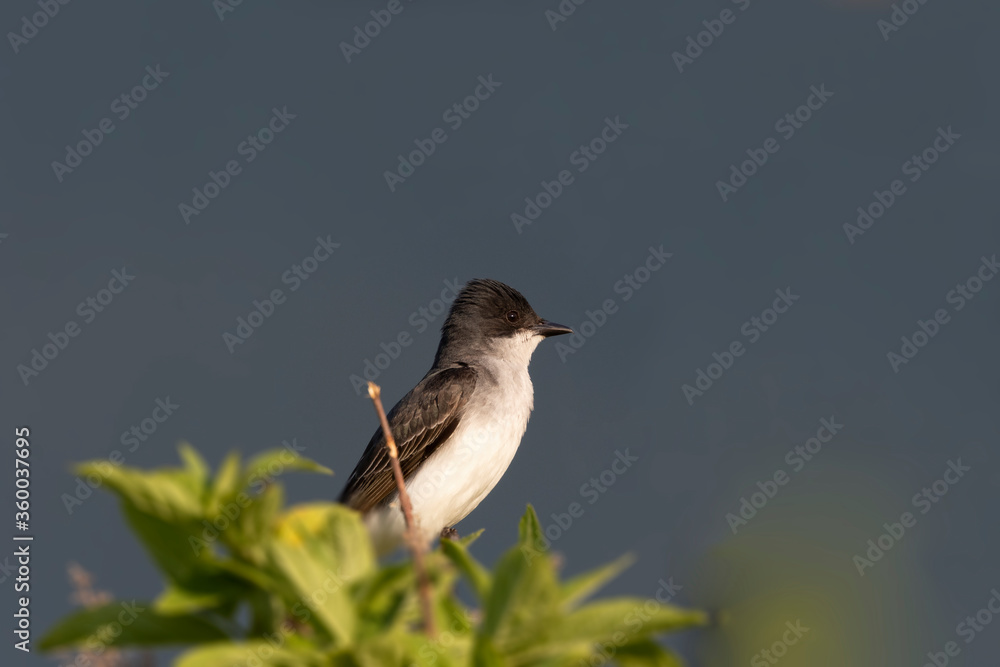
(512, 316)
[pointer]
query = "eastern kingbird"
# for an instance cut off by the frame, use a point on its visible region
(458, 429)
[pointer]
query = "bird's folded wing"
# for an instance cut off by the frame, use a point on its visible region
(420, 422)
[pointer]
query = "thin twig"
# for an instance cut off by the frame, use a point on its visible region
(413, 540)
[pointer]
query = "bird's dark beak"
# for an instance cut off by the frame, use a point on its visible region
(546, 329)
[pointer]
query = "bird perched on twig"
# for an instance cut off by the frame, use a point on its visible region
(459, 428)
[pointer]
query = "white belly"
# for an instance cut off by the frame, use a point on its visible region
(456, 478)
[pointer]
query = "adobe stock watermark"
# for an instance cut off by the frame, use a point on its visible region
(88, 310)
(248, 149)
(562, 12)
(99, 641)
(968, 629)
(426, 487)
(627, 286)
(797, 458)
(7, 569)
(293, 277)
(133, 438)
(263, 650)
(223, 7)
(915, 167)
(592, 491)
(634, 620)
(364, 34)
(260, 653)
(787, 126)
(455, 116)
(714, 28)
(924, 500)
(259, 479)
(420, 320)
(456, 626)
(898, 17)
(581, 158)
(753, 329)
(958, 297)
(790, 637)
(122, 106)
(37, 21)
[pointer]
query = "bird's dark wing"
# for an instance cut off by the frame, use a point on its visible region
(420, 422)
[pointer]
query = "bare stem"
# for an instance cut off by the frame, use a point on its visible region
(413, 540)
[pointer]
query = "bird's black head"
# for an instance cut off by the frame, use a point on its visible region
(487, 311)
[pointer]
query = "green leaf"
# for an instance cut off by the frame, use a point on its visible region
(260, 653)
(477, 576)
(178, 548)
(348, 538)
(620, 622)
(266, 466)
(316, 562)
(256, 576)
(511, 593)
(178, 601)
(337, 531)
(170, 495)
(194, 464)
(316, 585)
(529, 530)
(380, 651)
(257, 521)
(442, 651)
(485, 654)
(227, 482)
(470, 538)
(381, 597)
(185, 557)
(598, 621)
(127, 624)
(523, 604)
(265, 612)
(583, 586)
(450, 615)
(646, 653)
(509, 573)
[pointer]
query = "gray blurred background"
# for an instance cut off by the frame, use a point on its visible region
(224, 72)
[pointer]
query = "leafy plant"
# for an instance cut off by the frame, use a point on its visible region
(249, 582)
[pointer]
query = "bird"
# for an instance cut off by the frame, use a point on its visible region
(458, 429)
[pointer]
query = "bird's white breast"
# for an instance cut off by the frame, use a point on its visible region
(463, 470)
